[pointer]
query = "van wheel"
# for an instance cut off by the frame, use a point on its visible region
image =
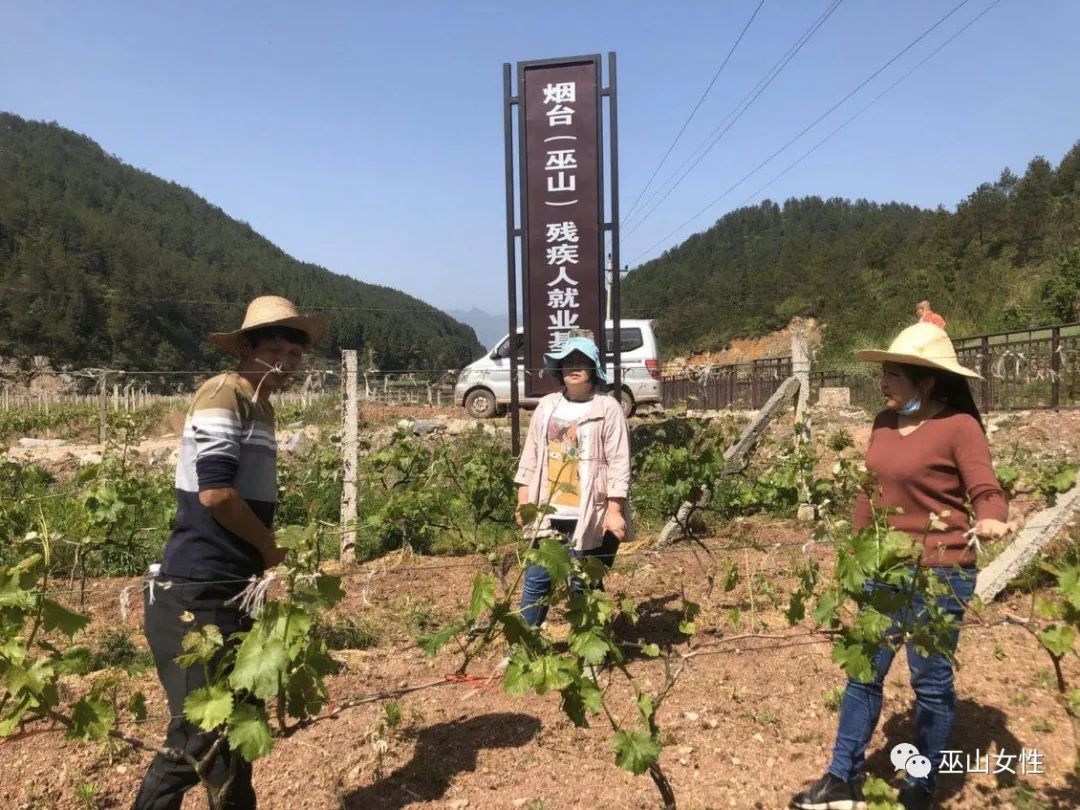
(626, 400)
(480, 404)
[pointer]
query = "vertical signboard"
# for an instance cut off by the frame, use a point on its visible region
(562, 207)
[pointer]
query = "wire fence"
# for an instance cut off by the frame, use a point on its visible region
(1037, 368)
(122, 391)
(1026, 368)
(744, 386)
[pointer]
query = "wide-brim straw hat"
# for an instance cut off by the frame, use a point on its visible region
(270, 310)
(922, 344)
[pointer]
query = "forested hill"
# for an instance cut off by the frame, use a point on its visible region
(104, 264)
(1009, 256)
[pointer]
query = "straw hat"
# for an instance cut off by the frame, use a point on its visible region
(270, 310)
(920, 345)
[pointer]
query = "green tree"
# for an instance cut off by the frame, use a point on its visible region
(103, 264)
(1030, 205)
(1061, 294)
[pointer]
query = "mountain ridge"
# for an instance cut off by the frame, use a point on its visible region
(105, 263)
(1007, 257)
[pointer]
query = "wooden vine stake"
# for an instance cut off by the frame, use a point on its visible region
(1040, 530)
(103, 408)
(800, 369)
(349, 450)
(734, 457)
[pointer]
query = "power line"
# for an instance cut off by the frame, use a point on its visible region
(381, 567)
(704, 372)
(734, 115)
(878, 97)
(764, 363)
(807, 128)
(113, 295)
(693, 112)
(699, 372)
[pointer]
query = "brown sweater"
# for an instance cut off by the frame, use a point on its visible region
(940, 466)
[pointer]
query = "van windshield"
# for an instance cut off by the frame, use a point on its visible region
(630, 338)
(502, 351)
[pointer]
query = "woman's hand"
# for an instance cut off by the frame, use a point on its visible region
(992, 529)
(615, 520)
(522, 499)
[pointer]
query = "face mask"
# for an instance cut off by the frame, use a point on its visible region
(910, 407)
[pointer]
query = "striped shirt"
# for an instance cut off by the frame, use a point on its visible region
(228, 441)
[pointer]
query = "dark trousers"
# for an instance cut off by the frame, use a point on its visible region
(537, 582)
(168, 779)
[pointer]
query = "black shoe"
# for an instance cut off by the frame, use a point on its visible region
(830, 793)
(914, 797)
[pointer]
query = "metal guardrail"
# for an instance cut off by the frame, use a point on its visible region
(745, 387)
(1025, 368)
(1037, 368)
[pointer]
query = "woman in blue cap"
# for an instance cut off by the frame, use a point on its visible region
(577, 461)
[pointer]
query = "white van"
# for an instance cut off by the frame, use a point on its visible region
(483, 387)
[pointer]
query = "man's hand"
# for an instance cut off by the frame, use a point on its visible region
(273, 557)
(231, 511)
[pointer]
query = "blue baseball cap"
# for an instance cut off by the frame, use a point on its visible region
(553, 360)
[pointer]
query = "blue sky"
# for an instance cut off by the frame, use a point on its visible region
(367, 136)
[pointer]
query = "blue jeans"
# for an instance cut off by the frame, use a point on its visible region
(931, 678)
(538, 584)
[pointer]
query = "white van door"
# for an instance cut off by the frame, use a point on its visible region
(500, 375)
(499, 380)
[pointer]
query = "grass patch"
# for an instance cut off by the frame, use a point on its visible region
(833, 698)
(115, 651)
(349, 635)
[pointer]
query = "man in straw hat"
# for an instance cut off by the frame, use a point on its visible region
(226, 491)
(929, 459)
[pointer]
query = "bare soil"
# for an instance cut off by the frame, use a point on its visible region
(746, 350)
(750, 722)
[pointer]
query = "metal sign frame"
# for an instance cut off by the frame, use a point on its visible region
(517, 221)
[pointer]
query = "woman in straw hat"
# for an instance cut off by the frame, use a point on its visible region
(226, 491)
(928, 454)
(576, 461)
